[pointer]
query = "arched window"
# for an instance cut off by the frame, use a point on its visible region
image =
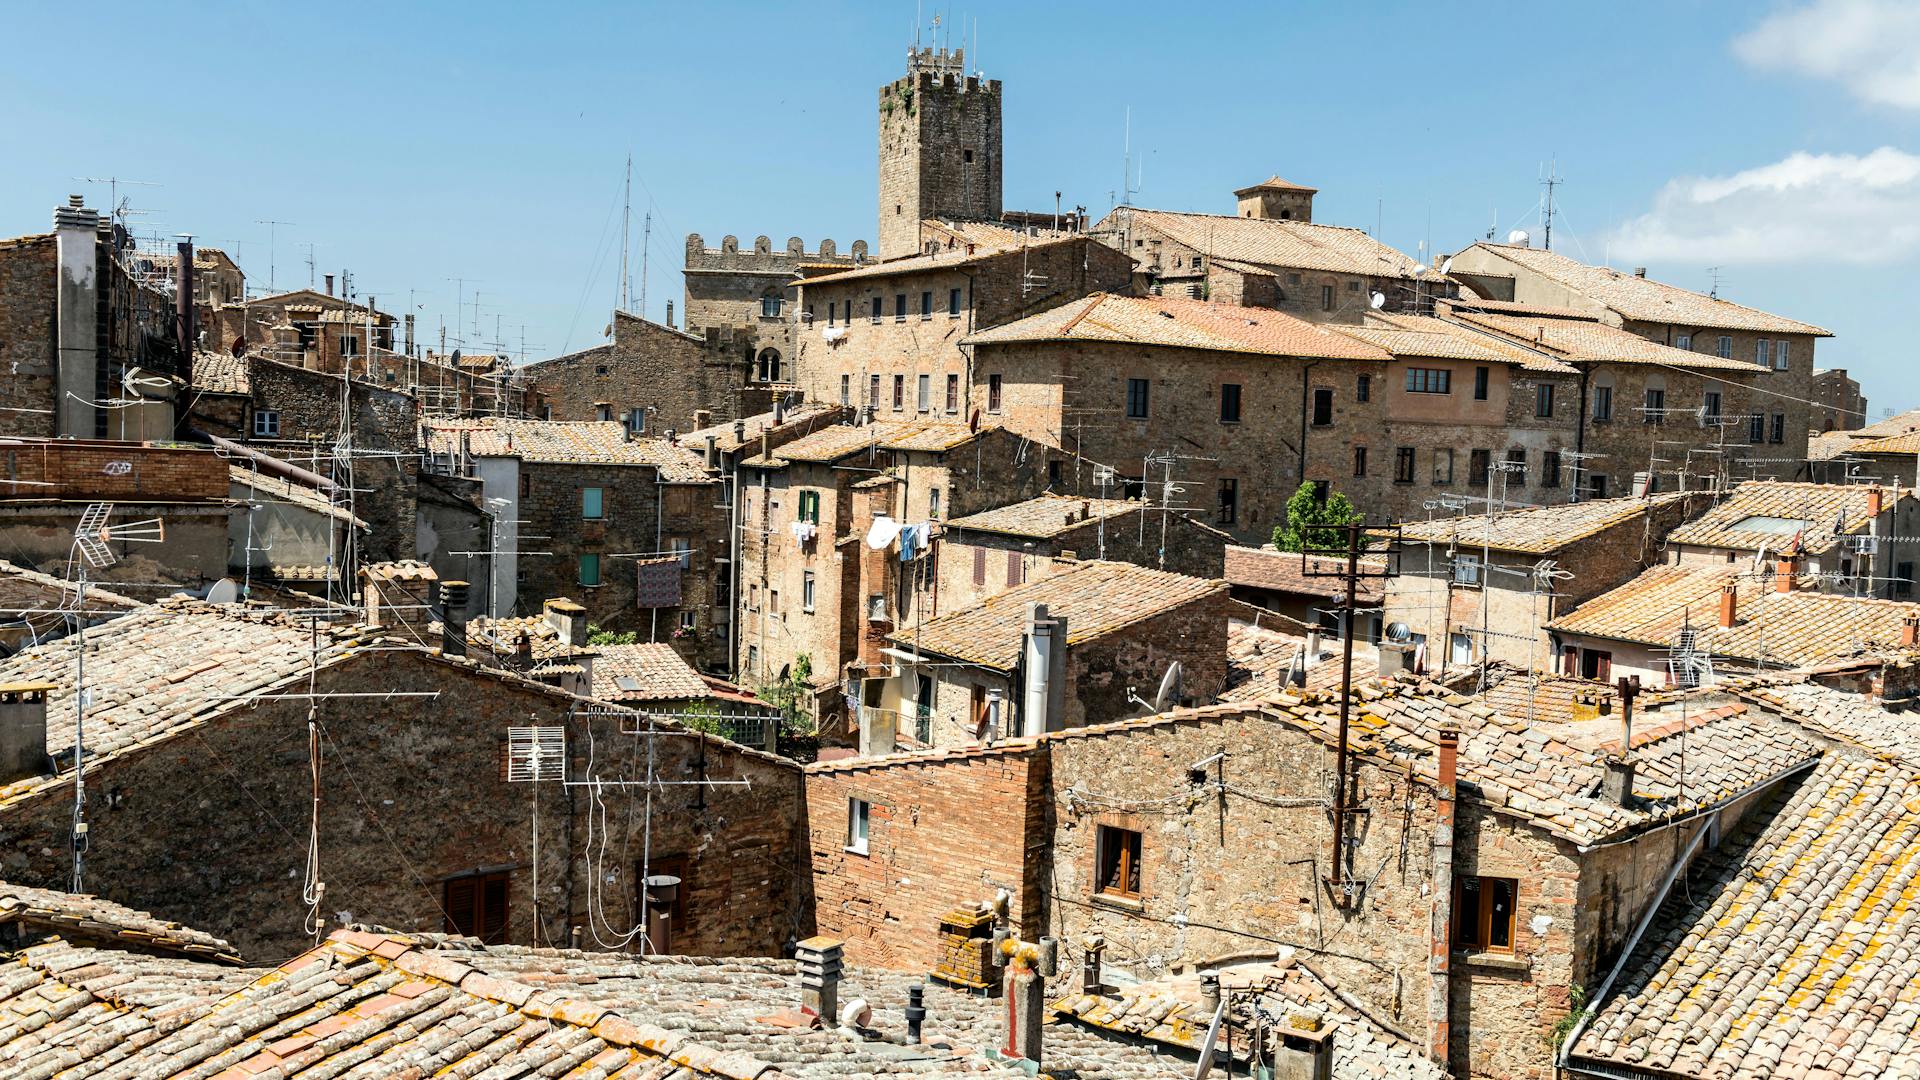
(769, 365)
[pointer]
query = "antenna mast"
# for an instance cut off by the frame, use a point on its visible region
(646, 241)
(1550, 181)
(624, 292)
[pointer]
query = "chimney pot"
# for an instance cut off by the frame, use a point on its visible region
(76, 202)
(1639, 271)
(669, 314)
(1729, 604)
(1617, 785)
(1874, 498)
(329, 284)
(820, 962)
(568, 619)
(1783, 575)
(1910, 631)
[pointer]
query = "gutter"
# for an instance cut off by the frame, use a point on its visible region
(1306, 402)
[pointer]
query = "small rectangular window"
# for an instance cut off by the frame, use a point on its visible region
(1777, 430)
(926, 304)
(1478, 462)
(1483, 910)
(846, 389)
(953, 393)
(1016, 569)
(1602, 404)
(1543, 400)
(1710, 405)
(1725, 349)
(1550, 469)
(1656, 411)
(1429, 381)
(900, 307)
(899, 392)
(349, 345)
(873, 391)
(1443, 466)
(933, 503)
(1684, 342)
(923, 393)
(1763, 352)
(859, 814)
(1137, 399)
(769, 307)
(1117, 857)
(809, 508)
(1229, 403)
(1597, 485)
(1466, 569)
(1780, 355)
(592, 507)
(1227, 506)
(636, 421)
(1479, 384)
(1326, 298)
(979, 566)
(476, 906)
(1363, 388)
(1359, 461)
(993, 393)
(874, 310)
(1516, 467)
(266, 424)
(1403, 465)
(1322, 407)
(806, 591)
(953, 302)
(589, 569)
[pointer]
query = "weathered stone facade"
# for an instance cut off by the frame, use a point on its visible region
(650, 377)
(940, 140)
(1839, 405)
(748, 297)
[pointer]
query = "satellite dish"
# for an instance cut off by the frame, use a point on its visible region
(1519, 238)
(1378, 301)
(224, 591)
(1399, 633)
(456, 358)
(1447, 266)
(239, 347)
(1418, 269)
(1169, 688)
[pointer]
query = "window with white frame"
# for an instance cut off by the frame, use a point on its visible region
(266, 424)
(1466, 569)
(859, 812)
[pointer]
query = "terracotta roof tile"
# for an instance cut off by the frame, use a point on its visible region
(103, 922)
(566, 442)
(1577, 340)
(941, 260)
(1259, 657)
(1294, 572)
(1044, 517)
(1535, 530)
(1274, 243)
(833, 443)
(1422, 337)
(221, 373)
(1180, 323)
(1770, 513)
(648, 671)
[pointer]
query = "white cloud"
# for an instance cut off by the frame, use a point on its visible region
(1872, 47)
(1813, 208)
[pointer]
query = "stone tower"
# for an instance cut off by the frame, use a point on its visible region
(1278, 199)
(939, 148)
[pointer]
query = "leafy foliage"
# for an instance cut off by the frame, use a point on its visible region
(789, 695)
(1316, 525)
(1577, 1010)
(597, 636)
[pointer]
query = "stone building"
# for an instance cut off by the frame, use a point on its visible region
(1494, 865)
(304, 327)
(822, 572)
(1780, 349)
(1085, 643)
(744, 300)
(986, 553)
(1838, 403)
(1271, 255)
(631, 526)
(92, 345)
(940, 143)
(1304, 589)
(429, 787)
(1481, 588)
(888, 336)
(1855, 539)
(651, 378)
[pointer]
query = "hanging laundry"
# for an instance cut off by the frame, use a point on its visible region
(803, 531)
(913, 539)
(883, 531)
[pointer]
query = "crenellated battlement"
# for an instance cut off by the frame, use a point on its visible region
(764, 257)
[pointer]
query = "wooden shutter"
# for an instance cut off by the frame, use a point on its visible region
(1014, 568)
(459, 902)
(979, 566)
(492, 914)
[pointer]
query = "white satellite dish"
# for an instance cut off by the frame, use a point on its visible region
(1378, 301)
(224, 591)
(1519, 238)
(1418, 269)
(1447, 266)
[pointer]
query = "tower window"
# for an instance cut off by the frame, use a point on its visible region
(966, 156)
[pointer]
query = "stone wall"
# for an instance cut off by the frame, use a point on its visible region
(40, 536)
(668, 373)
(973, 563)
(750, 295)
(28, 267)
(940, 148)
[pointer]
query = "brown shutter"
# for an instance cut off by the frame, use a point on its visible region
(459, 905)
(493, 909)
(980, 566)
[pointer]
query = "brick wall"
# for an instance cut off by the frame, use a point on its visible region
(69, 469)
(942, 834)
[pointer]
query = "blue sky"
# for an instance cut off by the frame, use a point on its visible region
(416, 144)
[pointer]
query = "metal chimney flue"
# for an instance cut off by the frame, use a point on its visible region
(453, 618)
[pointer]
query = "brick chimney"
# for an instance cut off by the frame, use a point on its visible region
(1874, 501)
(1910, 631)
(1783, 574)
(1305, 1050)
(819, 961)
(568, 619)
(1729, 604)
(23, 730)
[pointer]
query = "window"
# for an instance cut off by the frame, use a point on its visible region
(1656, 411)
(873, 391)
(1443, 465)
(753, 658)
(1543, 400)
(1053, 472)
(266, 424)
(953, 393)
(773, 601)
(349, 345)
(1293, 279)
(1137, 400)
(873, 310)
(1477, 463)
(1466, 569)
(1602, 404)
(979, 566)
(1322, 489)
(1117, 857)
(1483, 913)
(306, 333)
(1479, 384)
(993, 393)
(1227, 508)
(1903, 579)
(1763, 352)
(603, 412)
(1756, 428)
(806, 591)
(1517, 466)
(809, 509)
(592, 503)
(1459, 650)
(933, 502)
(1710, 405)
(682, 549)
(1229, 403)
(832, 305)
(1429, 381)
(1359, 461)
(1326, 298)
(1363, 388)
(1725, 348)
(1550, 469)
(953, 303)
(589, 569)
(1016, 569)
(769, 307)
(1777, 430)
(899, 392)
(899, 307)
(1780, 356)
(1322, 407)
(923, 393)
(636, 421)
(926, 304)
(476, 906)
(859, 813)
(1403, 465)
(1597, 485)
(846, 389)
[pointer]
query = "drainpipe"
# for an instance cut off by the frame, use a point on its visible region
(1580, 435)
(1440, 960)
(1306, 402)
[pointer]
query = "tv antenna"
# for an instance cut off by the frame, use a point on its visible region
(1549, 181)
(273, 234)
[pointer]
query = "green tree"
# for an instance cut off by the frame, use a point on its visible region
(1314, 524)
(789, 695)
(597, 636)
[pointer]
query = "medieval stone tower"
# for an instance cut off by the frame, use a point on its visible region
(939, 148)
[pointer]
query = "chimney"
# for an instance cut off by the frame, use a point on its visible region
(1029, 966)
(740, 431)
(77, 318)
(329, 284)
(1440, 961)
(1091, 951)
(713, 451)
(1312, 655)
(452, 601)
(916, 1011)
(1874, 496)
(669, 314)
(1629, 689)
(409, 319)
(1617, 785)
(23, 730)
(1639, 271)
(819, 961)
(183, 328)
(662, 891)
(1783, 574)
(1044, 662)
(1910, 631)
(1305, 1049)
(779, 409)
(1729, 604)
(568, 619)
